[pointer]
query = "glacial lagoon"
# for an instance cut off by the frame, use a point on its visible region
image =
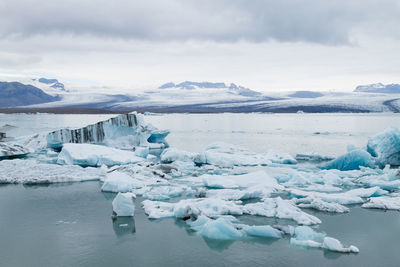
(70, 224)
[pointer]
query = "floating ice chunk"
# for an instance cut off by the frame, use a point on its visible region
(307, 237)
(312, 156)
(9, 150)
(262, 231)
(191, 207)
(387, 203)
(182, 168)
(259, 178)
(117, 182)
(163, 192)
(95, 155)
(279, 157)
(297, 179)
(123, 204)
(327, 188)
(173, 154)
(318, 204)
(353, 196)
(228, 155)
(29, 171)
(280, 208)
(236, 194)
(307, 233)
(142, 151)
(351, 161)
(386, 147)
(219, 229)
(335, 245)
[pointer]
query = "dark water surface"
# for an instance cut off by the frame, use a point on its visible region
(71, 225)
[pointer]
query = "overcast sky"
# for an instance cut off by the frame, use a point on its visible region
(265, 45)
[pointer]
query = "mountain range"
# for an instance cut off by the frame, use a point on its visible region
(189, 96)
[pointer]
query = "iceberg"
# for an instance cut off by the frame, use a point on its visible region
(386, 203)
(124, 131)
(385, 147)
(95, 155)
(9, 151)
(117, 182)
(28, 171)
(351, 161)
(123, 204)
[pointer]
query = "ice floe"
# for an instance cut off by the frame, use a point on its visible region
(10, 150)
(280, 208)
(386, 203)
(29, 171)
(307, 237)
(319, 204)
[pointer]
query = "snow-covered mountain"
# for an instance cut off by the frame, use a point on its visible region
(14, 94)
(231, 89)
(379, 88)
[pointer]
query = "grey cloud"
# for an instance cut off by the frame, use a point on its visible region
(326, 22)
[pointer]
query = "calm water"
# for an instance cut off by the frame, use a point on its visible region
(71, 225)
(32, 234)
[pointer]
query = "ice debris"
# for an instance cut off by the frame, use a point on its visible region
(95, 155)
(123, 204)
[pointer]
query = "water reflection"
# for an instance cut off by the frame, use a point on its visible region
(123, 226)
